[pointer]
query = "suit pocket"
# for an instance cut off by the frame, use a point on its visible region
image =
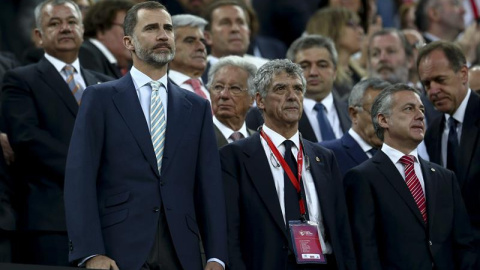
(192, 225)
(117, 199)
(114, 218)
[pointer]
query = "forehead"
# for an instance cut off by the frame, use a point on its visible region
(151, 16)
(313, 54)
(402, 98)
(62, 10)
(390, 40)
(184, 31)
(435, 62)
(228, 11)
(285, 78)
(232, 74)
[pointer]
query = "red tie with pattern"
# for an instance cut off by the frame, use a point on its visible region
(197, 87)
(414, 185)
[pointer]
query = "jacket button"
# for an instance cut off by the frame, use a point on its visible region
(430, 243)
(156, 209)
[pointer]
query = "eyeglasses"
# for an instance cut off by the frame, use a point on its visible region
(234, 89)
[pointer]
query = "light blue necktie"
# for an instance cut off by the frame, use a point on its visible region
(325, 127)
(158, 124)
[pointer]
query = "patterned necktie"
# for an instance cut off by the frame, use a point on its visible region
(414, 185)
(77, 89)
(452, 144)
(157, 123)
(197, 87)
(236, 136)
(325, 128)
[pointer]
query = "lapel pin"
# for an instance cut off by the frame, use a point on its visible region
(317, 159)
(432, 169)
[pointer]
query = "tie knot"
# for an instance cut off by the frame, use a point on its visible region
(155, 85)
(236, 136)
(288, 145)
(452, 122)
(193, 82)
(319, 107)
(69, 69)
(407, 160)
(372, 151)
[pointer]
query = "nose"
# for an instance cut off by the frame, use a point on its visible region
(65, 26)
(313, 70)
(200, 46)
(419, 115)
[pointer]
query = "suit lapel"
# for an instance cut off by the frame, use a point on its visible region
(258, 168)
(178, 115)
(434, 140)
(391, 174)
(50, 76)
(470, 133)
(353, 149)
(128, 105)
(342, 112)
(221, 140)
(430, 190)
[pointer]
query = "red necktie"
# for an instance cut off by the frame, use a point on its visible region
(414, 185)
(197, 87)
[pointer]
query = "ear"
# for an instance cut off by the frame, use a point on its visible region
(382, 121)
(252, 99)
(128, 43)
(432, 14)
(464, 75)
(208, 37)
(38, 34)
(259, 100)
(353, 113)
(410, 62)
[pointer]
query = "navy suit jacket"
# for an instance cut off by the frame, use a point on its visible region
(347, 151)
(114, 192)
(257, 237)
(39, 112)
(92, 58)
(468, 173)
(388, 229)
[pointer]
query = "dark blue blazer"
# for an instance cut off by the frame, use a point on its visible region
(347, 151)
(114, 192)
(257, 237)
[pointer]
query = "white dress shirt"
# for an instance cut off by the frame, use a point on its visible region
(332, 116)
(59, 65)
(227, 132)
(180, 79)
(313, 204)
(459, 115)
(363, 144)
(395, 157)
(111, 58)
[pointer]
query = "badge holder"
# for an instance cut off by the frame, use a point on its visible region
(306, 242)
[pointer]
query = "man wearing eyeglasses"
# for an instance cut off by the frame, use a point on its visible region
(276, 182)
(103, 49)
(230, 82)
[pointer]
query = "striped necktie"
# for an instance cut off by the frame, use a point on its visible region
(197, 87)
(158, 124)
(414, 185)
(76, 88)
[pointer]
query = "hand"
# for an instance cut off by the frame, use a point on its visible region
(101, 262)
(8, 153)
(213, 266)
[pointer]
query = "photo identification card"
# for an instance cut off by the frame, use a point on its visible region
(306, 242)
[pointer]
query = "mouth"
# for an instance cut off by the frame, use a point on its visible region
(313, 82)
(162, 46)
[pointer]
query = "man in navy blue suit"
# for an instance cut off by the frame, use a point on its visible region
(139, 195)
(360, 142)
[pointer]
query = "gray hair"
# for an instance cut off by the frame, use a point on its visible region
(234, 61)
(383, 105)
(182, 20)
(39, 8)
(312, 41)
(264, 76)
(356, 96)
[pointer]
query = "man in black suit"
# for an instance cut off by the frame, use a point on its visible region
(103, 49)
(406, 213)
(230, 82)
(324, 117)
(265, 190)
(360, 142)
(39, 108)
(453, 140)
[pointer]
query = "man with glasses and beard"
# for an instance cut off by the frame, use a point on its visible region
(139, 195)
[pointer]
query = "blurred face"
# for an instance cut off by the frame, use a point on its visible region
(404, 128)
(229, 32)
(283, 105)
(387, 59)
(450, 14)
(152, 40)
(61, 30)
(228, 105)
(318, 70)
(445, 88)
(113, 40)
(353, 5)
(362, 120)
(191, 54)
(83, 5)
(194, 6)
(351, 38)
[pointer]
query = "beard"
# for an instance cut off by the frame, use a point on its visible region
(150, 57)
(398, 74)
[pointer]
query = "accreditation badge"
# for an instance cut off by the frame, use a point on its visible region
(306, 242)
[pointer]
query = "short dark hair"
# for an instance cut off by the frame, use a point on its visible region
(132, 15)
(312, 41)
(452, 52)
(207, 14)
(101, 15)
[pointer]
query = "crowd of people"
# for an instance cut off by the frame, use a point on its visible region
(183, 135)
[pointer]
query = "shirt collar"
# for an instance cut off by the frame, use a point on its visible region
(227, 131)
(59, 64)
(431, 36)
(179, 78)
(396, 155)
(363, 144)
(278, 139)
(140, 79)
(459, 114)
(111, 58)
(309, 103)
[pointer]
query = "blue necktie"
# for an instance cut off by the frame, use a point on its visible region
(325, 127)
(157, 123)
(452, 144)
